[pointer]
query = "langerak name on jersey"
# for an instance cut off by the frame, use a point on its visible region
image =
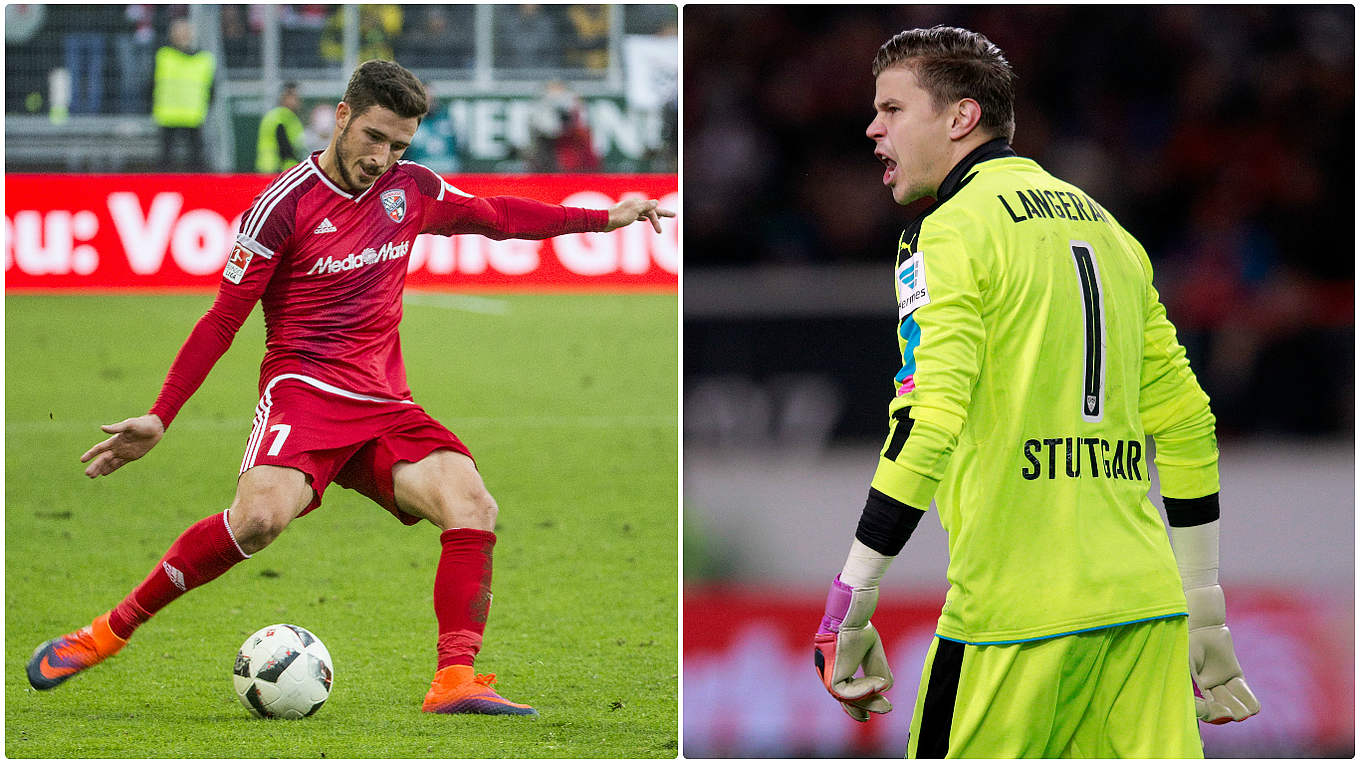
(1053, 204)
(1119, 461)
(332, 265)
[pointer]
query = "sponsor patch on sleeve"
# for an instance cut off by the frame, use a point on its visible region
(912, 293)
(237, 263)
(243, 251)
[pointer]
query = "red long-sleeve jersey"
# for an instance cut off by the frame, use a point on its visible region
(330, 267)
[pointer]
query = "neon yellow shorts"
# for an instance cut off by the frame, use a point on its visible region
(1123, 691)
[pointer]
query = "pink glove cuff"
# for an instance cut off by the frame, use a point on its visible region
(837, 604)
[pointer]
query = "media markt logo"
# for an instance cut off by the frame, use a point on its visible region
(368, 257)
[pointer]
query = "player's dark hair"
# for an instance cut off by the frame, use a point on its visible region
(386, 84)
(952, 64)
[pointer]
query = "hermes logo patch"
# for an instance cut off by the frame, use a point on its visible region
(912, 293)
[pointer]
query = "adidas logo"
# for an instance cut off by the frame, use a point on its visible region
(324, 227)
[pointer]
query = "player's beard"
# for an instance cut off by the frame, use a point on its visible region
(342, 161)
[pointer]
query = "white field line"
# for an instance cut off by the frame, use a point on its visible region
(475, 304)
(38, 427)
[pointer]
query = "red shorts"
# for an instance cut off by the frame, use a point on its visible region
(332, 435)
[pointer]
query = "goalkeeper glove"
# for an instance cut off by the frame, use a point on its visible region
(847, 641)
(1214, 666)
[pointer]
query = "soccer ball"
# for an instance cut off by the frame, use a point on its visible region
(282, 671)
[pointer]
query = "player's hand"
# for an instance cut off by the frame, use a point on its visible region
(635, 210)
(847, 642)
(131, 439)
(1213, 664)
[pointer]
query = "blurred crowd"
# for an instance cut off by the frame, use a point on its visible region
(1222, 137)
(440, 36)
(109, 48)
(76, 61)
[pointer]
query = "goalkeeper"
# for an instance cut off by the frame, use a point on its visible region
(1036, 360)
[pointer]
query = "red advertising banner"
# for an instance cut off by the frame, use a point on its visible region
(174, 231)
(750, 688)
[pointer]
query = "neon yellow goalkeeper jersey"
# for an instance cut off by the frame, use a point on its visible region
(1036, 358)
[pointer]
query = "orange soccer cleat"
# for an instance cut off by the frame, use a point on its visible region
(62, 657)
(456, 689)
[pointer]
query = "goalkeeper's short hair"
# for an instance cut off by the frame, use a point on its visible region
(952, 64)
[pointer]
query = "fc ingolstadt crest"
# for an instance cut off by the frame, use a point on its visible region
(394, 201)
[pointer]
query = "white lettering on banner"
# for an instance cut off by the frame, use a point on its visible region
(609, 125)
(467, 255)
(39, 243)
(519, 115)
(666, 246)
(493, 126)
(488, 129)
(651, 66)
(200, 243)
(471, 254)
(512, 256)
(144, 238)
(156, 234)
(631, 250)
(588, 254)
(634, 258)
(433, 253)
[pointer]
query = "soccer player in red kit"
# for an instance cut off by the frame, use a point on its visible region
(325, 247)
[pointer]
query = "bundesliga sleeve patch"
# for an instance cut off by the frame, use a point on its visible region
(912, 291)
(242, 253)
(237, 262)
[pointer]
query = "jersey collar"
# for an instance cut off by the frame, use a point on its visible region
(315, 159)
(955, 179)
(958, 176)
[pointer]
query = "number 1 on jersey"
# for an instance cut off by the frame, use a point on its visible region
(1093, 384)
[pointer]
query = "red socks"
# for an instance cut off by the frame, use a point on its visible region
(462, 593)
(462, 583)
(200, 554)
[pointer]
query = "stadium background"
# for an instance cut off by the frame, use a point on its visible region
(96, 230)
(1222, 137)
(77, 102)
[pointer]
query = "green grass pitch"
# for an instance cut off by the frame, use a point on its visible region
(569, 403)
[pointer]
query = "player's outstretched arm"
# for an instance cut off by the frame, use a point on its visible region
(635, 210)
(131, 439)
